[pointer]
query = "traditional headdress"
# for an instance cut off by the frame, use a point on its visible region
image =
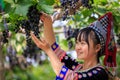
(104, 29)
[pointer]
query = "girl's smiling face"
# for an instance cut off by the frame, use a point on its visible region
(81, 49)
(86, 45)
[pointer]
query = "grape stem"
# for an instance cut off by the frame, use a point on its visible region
(58, 15)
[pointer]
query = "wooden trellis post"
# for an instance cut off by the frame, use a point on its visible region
(2, 76)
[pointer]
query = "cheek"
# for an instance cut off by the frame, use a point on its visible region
(89, 54)
(86, 53)
(76, 47)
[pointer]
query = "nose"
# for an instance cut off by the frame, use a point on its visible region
(78, 47)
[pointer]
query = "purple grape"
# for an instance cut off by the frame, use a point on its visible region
(71, 5)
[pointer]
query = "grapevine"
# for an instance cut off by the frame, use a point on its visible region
(30, 24)
(12, 58)
(5, 32)
(70, 6)
(5, 36)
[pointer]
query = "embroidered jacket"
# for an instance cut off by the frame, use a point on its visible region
(72, 69)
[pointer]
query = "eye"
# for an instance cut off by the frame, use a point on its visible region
(83, 42)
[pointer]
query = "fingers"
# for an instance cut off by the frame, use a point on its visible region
(42, 43)
(45, 17)
(35, 39)
(38, 42)
(42, 39)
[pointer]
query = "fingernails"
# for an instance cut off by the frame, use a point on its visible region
(41, 13)
(31, 32)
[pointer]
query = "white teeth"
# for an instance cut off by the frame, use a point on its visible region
(79, 52)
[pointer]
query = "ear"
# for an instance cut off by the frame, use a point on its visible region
(97, 48)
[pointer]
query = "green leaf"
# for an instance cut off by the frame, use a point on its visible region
(86, 12)
(64, 44)
(9, 1)
(117, 18)
(49, 2)
(115, 4)
(77, 17)
(100, 10)
(1, 27)
(24, 1)
(100, 2)
(2, 4)
(21, 9)
(46, 8)
(8, 7)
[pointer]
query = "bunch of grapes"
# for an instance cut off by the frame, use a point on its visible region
(5, 34)
(15, 60)
(30, 51)
(34, 17)
(31, 24)
(70, 6)
(69, 34)
(32, 55)
(87, 3)
(12, 58)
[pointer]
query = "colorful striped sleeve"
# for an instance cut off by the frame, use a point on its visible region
(68, 61)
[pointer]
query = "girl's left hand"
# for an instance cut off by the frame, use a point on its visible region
(41, 43)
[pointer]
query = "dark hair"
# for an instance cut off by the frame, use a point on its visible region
(85, 34)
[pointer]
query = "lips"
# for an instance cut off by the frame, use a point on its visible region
(78, 53)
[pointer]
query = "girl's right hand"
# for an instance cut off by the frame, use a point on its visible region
(41, 43)
(46, 19)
